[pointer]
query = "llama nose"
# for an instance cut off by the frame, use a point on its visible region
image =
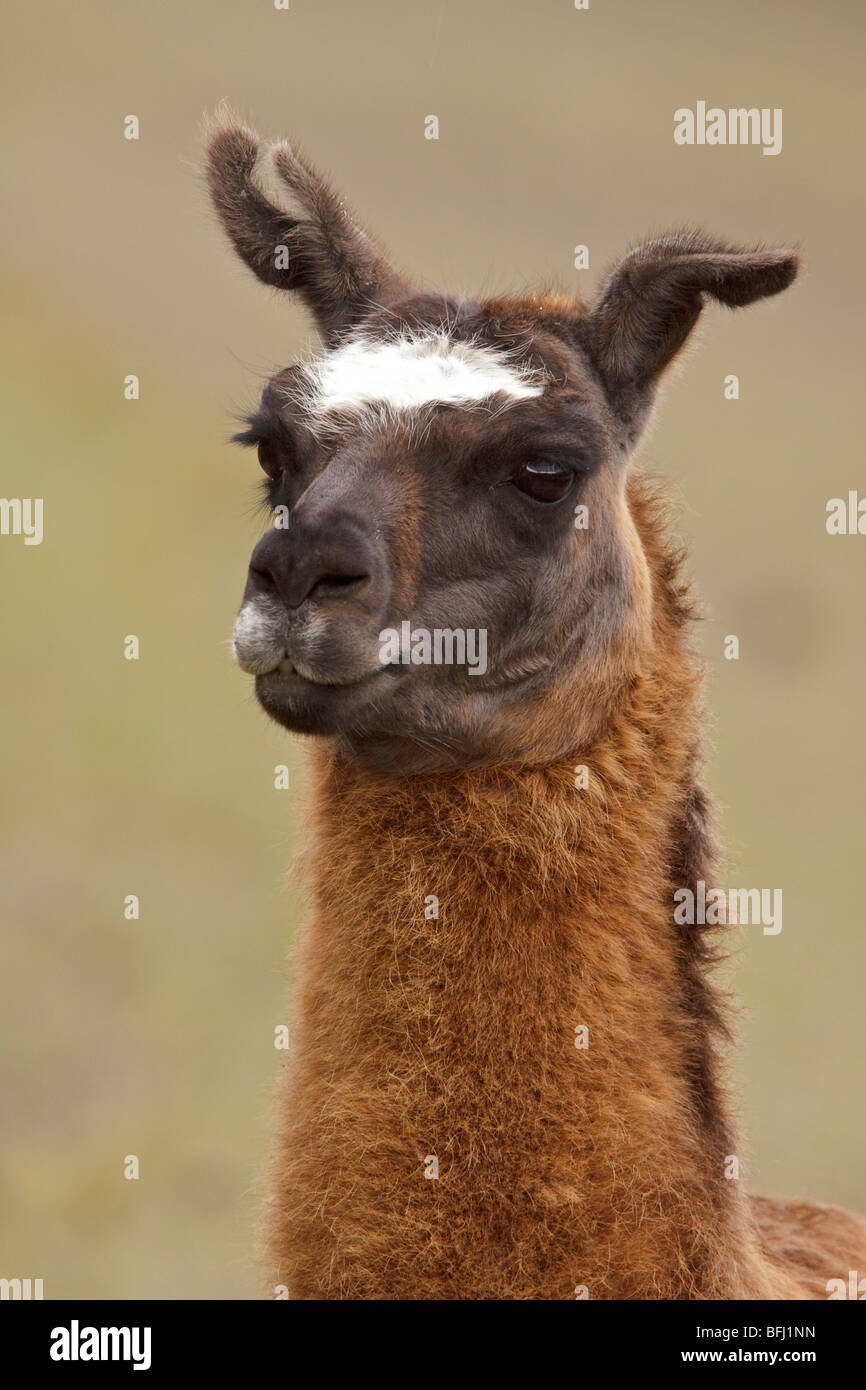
(333, 563)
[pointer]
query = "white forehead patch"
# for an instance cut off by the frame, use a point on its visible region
(410, 371)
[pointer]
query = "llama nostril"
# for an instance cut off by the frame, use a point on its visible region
(263, 575)
(336, 585)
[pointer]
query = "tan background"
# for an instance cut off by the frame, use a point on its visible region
(156, 1037)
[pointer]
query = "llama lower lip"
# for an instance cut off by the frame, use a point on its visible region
(312, 707)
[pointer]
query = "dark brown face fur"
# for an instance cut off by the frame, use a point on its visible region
(454, 517)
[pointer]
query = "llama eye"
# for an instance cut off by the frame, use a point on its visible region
(268, 459)
(543, 481)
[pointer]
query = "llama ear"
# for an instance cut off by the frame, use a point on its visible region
(292, 230)
(650, 302)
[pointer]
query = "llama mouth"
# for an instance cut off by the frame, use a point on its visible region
(313, 706)
(290, 673)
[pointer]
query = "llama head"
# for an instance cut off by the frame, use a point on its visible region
(453, 574)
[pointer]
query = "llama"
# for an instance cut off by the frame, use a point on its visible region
(506, 1078)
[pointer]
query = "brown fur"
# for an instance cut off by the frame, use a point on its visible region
(558, 1168)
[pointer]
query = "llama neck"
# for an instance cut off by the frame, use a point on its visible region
(493, 987)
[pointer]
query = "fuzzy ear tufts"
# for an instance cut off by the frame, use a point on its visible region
(651, 301)
(292, 231)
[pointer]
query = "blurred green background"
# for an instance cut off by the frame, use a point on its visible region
(155, 777)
